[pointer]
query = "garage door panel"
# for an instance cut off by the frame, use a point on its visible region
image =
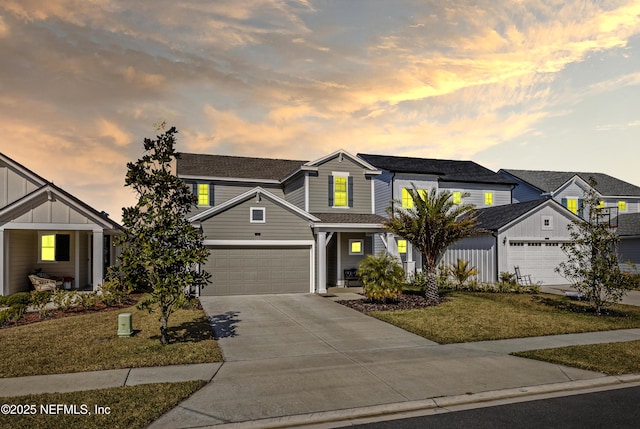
(262, 270)
(538, 259)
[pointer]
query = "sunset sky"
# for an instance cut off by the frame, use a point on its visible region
(508, 84)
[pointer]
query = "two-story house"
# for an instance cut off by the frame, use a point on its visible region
(282, 226)
(44, 228)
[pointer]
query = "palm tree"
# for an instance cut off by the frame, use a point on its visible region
(434, 223)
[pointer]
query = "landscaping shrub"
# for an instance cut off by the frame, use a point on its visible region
(508, 278)
(12, 314)
(88, 300)
(382, 277)
(39, 301)
(113, 293)
(461, 271)
(3, 300)
(19, 298)
(64, 300)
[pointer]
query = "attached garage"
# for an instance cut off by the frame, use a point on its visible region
(249, 270)
(538, 259)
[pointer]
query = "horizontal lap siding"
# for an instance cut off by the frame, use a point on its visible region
(319, 189)
(294, 192)
(501, 193)
(23, 257)
(233, 224)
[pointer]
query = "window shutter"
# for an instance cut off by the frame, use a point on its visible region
(211, 194)
(580, 207)
(564, 202)
(63, 244)
(330, 191)
(350, 190)
(194, 188)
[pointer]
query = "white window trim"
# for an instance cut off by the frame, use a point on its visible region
(361, 247)
(550, 226)
(461, 195)
(208, 194)
(335, 175)
(493, 198)
(626, 206)
(39, 244)
(264, 214)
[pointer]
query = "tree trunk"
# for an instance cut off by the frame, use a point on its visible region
(431, 289)
(164, 339)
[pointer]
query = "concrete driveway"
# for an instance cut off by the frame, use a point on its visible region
(287, 355)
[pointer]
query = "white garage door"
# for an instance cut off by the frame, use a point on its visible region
(539, 259)
(258, 270)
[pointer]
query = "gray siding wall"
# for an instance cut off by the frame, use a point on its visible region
(224, 191)
(421, 181)
(480, 251)
(501, 193)
(383, 192)
(522, 192)
(294, 192)
(319, 189)
(13, 185)
(233, 224)
(23, 256)
(629, 251)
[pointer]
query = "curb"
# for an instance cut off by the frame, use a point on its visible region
(396, 410)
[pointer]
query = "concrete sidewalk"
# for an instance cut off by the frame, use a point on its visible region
(632, 297)
(80, 381)
(302, 358)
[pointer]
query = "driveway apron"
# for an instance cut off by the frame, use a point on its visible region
(297, 354)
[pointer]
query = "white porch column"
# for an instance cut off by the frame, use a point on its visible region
(410, 268)
(2, 270)
(392, 246)
(97, 263)
(322, 262)
(339, 273)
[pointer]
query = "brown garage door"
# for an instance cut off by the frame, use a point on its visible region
(258, 270)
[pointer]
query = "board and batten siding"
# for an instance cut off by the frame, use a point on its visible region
(234, 224)
(480, 251)
(13, 185)
(319, 189)
(501, 193)
(294, 191)
(629, 251)
(43, 211)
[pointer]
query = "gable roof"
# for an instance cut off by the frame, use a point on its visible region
(341, 152)
(550, 181)
(24, 170)
(191, 164)
(447, 170)
(251, 193)
(494, 218)
(628, 224)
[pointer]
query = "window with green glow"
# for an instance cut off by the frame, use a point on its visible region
(340, 192)
(402, 246)
(48, 247)
(203, 194)
(488, 198)
(457, 197)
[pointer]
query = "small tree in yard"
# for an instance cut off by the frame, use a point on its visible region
(160, 247)
(592, 256)
(434, 223)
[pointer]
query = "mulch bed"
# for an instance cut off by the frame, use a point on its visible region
(33, 316)
(404, 302)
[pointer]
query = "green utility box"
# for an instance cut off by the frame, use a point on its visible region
(124, 325)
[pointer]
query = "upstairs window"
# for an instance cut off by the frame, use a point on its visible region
(402, 246)
(407, 201)
(488, 198)
(340, 190)
(203, 194)
(457, 197)
(622, 206)
(600, 204)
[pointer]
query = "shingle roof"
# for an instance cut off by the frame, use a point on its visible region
(549, 181)
(448, 170)
(628, 224)
(494, 218)
(190, 164)
(350, 218)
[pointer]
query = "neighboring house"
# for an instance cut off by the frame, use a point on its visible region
(568, 189)
(528, 234)
(282, 226)
(628, 228)
(42, 227)
(485, 189)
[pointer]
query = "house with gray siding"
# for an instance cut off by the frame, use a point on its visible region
(528, 235)
(44, 228)
(282, 226)
(628, 229)
(468, 182)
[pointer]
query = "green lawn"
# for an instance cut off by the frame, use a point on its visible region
(610, 358)
(90, 342)
(128, 407)
(467, 317)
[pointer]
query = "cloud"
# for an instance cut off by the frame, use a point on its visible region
(113, 133)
